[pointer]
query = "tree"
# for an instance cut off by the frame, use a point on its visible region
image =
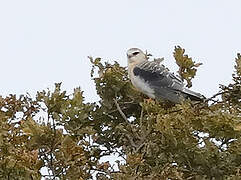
(68, 136)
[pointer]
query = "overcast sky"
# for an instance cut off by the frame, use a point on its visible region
(48, 41)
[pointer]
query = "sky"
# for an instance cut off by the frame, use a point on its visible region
(44, 42)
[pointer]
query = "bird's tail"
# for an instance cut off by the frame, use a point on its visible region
(193, 96)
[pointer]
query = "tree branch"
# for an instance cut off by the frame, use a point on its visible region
(215, 95)
(120, 111)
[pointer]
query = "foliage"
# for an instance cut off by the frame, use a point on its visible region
(232, 92)
(69, 137)
(187, 67)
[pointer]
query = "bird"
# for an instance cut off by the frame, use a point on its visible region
(156, 81)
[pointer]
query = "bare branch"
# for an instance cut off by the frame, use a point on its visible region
(131, 141)
(119, 109)
(215, 95)
(141, 117)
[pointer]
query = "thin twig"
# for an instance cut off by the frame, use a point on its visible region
(131, 140)
(215, 95)
(139, 147)
(141, 117)
(119, 109)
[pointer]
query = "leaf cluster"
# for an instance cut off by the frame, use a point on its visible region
(232, 92)
(187, 67)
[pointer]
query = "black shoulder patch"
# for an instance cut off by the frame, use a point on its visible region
(147, 75)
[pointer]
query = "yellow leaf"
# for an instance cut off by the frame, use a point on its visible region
(237, 127)
(11, 163)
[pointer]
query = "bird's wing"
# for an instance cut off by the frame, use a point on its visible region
(164, 83)
(157, 75)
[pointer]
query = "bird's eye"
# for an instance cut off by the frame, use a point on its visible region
(135, 53)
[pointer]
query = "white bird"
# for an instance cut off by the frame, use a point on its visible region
(155, 80)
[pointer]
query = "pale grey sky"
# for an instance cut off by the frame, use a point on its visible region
(48, 41)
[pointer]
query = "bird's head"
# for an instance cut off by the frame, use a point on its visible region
(135, 55)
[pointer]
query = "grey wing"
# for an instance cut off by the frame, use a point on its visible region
(165, 84)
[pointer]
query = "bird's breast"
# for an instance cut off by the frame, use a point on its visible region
(140, 84)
